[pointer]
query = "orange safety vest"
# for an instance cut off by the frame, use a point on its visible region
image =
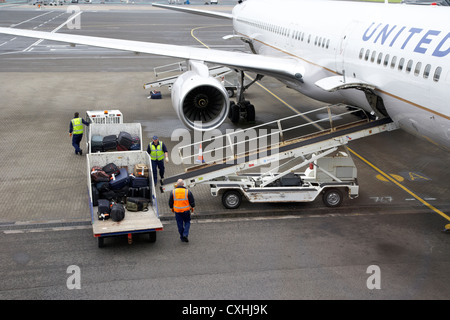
(180, 200)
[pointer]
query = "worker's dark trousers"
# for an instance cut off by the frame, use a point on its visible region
(183, 223)
(160, 165)
(76, 139)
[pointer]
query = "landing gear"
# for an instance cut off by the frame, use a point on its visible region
(243, 108)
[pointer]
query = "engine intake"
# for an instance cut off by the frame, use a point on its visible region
(201, 102)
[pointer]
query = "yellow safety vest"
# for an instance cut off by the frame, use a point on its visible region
(181, 200)
(156, 152)
(77, 126)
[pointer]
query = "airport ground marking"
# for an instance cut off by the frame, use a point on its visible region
(388, 177)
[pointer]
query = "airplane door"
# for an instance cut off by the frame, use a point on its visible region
(341, 49)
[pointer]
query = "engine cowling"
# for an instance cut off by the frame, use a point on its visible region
(201, 101)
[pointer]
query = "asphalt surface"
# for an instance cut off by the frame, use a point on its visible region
(262, 251)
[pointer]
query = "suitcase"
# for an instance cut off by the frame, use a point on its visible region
(121, 148)
(140, 170)
(102, 186)
(104, 209)
(117, 212)
(144, 193)
(135, 146)
(96, 143)
(155, 95)
(109, 142)
(137, 204)
(119, 181)
(290, 180)
(111, 169)
(125, 139)
(95, 195)
(133, 192)
(139, 182)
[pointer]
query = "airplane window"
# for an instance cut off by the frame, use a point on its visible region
(400, 64)
(303, 35)
(437, 74)
(323, 42)
(328, 43)
(361, 53)
(372, 58)
(394, 60)
(315, 41)
(417, 69)
(380, 56)
(386, 60)
(409, 66)
(367, 55)
(309, 38)
(426, 71)
(320, 41)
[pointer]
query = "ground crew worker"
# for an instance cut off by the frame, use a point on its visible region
(76, 132)
(157, 151)
(182, 203)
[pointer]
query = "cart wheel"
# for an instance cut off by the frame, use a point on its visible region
(232, 199)
(152, 236)
(333, 198)
(230, 93)
(101, 242)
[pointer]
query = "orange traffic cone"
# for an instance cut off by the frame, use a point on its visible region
(200, 155)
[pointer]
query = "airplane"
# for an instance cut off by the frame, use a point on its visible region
(389, 59)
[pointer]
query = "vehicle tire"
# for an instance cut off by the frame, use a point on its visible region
(230, 93)
(101, 242)
(235, 113)
(231, 199)
(333, 198)
(152, 236)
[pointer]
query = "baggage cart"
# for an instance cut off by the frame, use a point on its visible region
(140, 222)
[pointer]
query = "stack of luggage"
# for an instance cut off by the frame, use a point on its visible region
(123, 142)
(113, 187)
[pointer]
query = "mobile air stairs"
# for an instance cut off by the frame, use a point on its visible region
(284, 146)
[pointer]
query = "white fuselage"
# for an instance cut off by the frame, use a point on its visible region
(403, 51)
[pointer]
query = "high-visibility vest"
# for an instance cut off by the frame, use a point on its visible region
(77, 126)
(156, 152)
(181, 200)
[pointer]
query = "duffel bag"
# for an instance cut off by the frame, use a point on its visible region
(117, 212)
(137, 204)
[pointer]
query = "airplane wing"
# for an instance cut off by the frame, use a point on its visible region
(196, 11)
(288, 68)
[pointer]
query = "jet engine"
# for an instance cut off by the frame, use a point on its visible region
(201, 101)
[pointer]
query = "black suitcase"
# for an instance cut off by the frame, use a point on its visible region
(124, 139)
(109, 142)
(139, 182)
(133, 192)
(104, 209)
(96, 143)
(120, 181)
(95, 195)
(117, 212)
(144, 193)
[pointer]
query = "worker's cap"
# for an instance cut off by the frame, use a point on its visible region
(155, 137)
